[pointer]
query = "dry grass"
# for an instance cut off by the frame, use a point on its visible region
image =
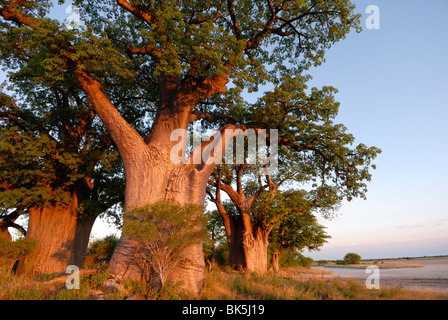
(289, 284)
(302, 272)
(21, 288)
(49, 287)
(296, 285)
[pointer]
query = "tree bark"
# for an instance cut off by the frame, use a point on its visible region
(151, 174)
(159, 180)
(62, 238)
(235, 240)
(5, 263)
(275, 260)
(4, 233)
(248, 246)
(255, 246)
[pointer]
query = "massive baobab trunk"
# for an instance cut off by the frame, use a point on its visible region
(247, 246)
(255, 246)
(4, 233)
(156, 170)
(62, 237)
(152, 180)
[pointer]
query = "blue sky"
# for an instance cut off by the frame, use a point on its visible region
(393, 90)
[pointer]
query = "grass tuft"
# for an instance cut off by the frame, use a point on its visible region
(219, 284)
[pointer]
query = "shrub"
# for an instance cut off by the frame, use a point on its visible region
(100, 252)
(305, 261)
(352, 258)
(291, 257)
(15, 250)
(163, 231)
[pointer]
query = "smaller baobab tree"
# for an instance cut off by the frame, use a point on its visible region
(317, 164)
(58, 167)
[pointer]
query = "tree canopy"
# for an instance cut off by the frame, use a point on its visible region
(171, 63)
(51, 144)
(141, 42)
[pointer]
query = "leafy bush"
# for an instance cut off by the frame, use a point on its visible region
(100, 252)
(352, 258)
(291, 257)
(305, 261)
(163, 231)
(15, 250)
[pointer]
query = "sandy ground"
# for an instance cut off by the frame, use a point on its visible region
(423, 273)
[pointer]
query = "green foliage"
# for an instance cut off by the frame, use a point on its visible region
(100, 252)
(215, 245)
(352, 258)
(51, 144)
(298, 231)
(314, 151)
(251, 42)
(15, 250)
(240, 38)
(162, 231)
(29, 166)
(292, 258)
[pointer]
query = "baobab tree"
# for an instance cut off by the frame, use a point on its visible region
(59, 167)
(316, 163)
(181, 55)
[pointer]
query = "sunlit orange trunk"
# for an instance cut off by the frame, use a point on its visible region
(62, 238)
(275, 260)
(248, 250)
(4, 233)
(151, 175)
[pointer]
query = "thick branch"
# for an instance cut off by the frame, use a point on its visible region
(254, 197)
(221, 210)
(127, 139)
(235, 24)
(8, 13)
(239, 173)
(205, 157)
(148, 49)
(137, 11)
(10, 219)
